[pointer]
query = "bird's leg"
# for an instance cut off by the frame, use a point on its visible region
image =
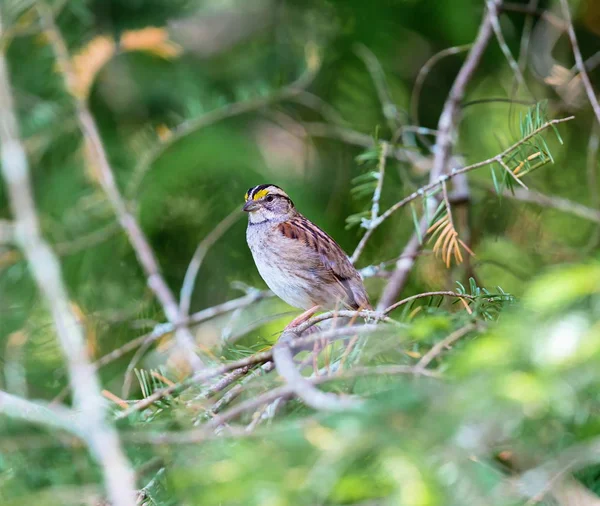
(302, 318)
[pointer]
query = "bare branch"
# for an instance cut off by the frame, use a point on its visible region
(257, 358)
(189, 279)
(98, 159)
(300, 386)
(389, 109)
(442, 153)
(424, 72)
(579, 60)
(529, 9)
(403, 267)
(287, 391)
(101, 437)
(383, 153)
(237, 389)
(424, 190)
(443, 344)
(57, 417)
(551, 201)
(444, 293)
(228, 111)
(502, 43)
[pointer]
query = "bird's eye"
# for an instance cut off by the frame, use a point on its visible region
(269, 198)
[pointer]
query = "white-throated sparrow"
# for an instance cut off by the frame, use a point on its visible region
(299, 262)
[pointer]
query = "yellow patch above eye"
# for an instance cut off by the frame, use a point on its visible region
(260, 194)
(246, 196)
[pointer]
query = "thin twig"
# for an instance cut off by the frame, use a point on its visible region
(236, 390)
(589, 89)
(189, 279)
(228, 111)
(97, 158)
(443, 293)
(526, 36)
(300, 386)
(552, 202)
(166, 328)
(389, 109)
(443, 344)
(383, 153)
(100, 436)
(503, 46)
(354, 138)
(257, 358)
(424, 190)
(287, 391)
(424, 72)
(545, 14)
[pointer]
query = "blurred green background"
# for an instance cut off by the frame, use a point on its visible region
(151, 68)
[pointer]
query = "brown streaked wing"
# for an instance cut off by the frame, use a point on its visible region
(332, 257)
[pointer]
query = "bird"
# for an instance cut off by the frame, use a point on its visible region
(297, 260)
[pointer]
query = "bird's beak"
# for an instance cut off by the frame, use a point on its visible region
(250, 206)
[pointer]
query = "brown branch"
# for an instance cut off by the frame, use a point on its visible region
(300, 386)
(100, 436)
(286, 391)
(589, 89)
(443, 344)
(166, 328)
(403, 267)
(257, 358)
(448, 118)
(442, 152)
(97, 158)
(427, 294)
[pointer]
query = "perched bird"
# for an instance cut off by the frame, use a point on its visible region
(299, 262)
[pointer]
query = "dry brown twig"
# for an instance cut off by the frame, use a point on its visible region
(101, 437)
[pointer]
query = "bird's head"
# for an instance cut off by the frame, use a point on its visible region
(267, 202)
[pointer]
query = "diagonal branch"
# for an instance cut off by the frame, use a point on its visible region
(443, 150)
(38, 413)
(100, 436)
(579, 60)
(97, 157)
(191, 273)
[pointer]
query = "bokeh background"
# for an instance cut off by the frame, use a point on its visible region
(196, 101)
